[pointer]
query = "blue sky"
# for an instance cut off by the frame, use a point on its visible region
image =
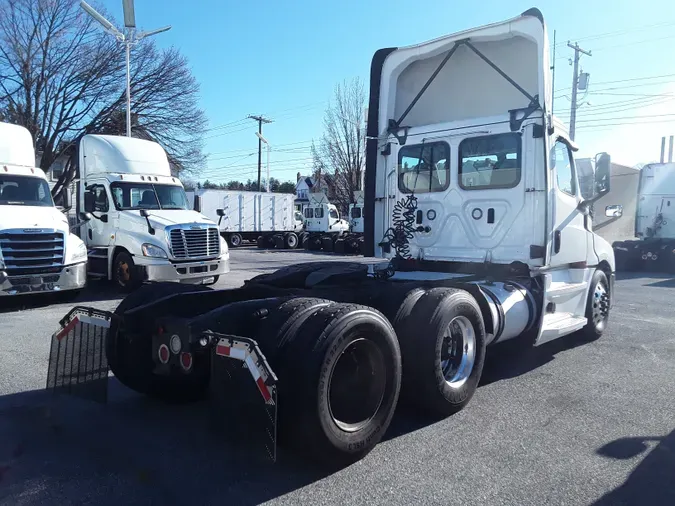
(283, 59)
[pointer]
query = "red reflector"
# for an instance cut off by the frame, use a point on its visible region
(186, 361)
(163, 353)
(160, 331)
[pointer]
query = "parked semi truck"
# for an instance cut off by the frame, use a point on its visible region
(472, 204)
(323, 225)
(137, 222)
(268, 219)
(654, 246)
(352, 242)
(38, 253)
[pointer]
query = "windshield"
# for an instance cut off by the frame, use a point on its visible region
(129, 196)
(24, 191)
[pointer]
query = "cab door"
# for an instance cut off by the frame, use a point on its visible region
(570, 236)
(98, 229)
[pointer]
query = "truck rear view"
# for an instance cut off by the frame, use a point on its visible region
(472, 203)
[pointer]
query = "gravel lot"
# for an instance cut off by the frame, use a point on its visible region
(564, 424)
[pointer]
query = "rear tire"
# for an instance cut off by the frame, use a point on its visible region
(130, 356)
(443, 349)
(341, 393)
(597, 307)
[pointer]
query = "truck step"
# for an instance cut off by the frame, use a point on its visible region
(560, 291)
(560, 324)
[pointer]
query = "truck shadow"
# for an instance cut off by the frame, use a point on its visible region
(95, 291)
(652, 480)
(133, 450)
(505, 362)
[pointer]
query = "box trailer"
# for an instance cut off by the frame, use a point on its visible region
(268, 219)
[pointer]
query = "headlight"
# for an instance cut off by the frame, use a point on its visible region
(79, 252)
(150, 250)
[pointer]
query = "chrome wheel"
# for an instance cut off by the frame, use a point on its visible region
(458, 351)
(600, 310)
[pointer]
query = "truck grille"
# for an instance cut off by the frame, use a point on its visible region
(32, 252)
(195, 243)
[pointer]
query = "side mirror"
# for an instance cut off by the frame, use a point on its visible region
(88, 202)
(86, 216)
(221, 213)
(615, 211)
(145, 213)
(603, 164)
(65, 198)
(104, 218)
(197, 205)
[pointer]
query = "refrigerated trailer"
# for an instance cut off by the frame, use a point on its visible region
(654, 246)
(472, 207)
(268, 219)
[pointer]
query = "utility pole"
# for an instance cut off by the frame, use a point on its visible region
(575, 84)
(260, 119)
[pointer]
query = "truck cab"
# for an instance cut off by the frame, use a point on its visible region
(38, 253)
(323, 217)
(463, 177)
(138, 223)
(356, 219)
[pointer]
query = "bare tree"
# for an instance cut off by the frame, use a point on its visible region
(340, 153)
(62, 77)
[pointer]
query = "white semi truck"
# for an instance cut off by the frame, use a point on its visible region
(38, 253)
(137, 222)
(654, 247)
(472, 203)
(268, 219)
(323, 225)
(352, 242)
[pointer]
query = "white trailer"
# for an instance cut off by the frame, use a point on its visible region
(268, 219)
(654, 247)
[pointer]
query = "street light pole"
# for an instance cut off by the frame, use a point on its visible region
(267, 182)
(128, 39)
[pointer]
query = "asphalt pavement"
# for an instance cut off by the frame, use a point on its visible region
(566, 423)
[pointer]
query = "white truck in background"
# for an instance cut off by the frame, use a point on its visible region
(38, 253)
(654, 247)
(352, 242)
(322, 224)
(267, 219)
(137, 222)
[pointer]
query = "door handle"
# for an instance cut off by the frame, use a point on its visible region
(556, 241)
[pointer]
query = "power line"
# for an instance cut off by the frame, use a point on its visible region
(617, 33)
(644, 78)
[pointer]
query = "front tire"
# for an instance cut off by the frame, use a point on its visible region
(126, 275)
(597, 307)
(292, 240)
(235, 240)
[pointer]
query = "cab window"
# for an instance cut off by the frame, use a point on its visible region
(309, 212)
(333, 214)
(561, 161)
(424, 168)
(490, 161)
(356, 212)
(318, 212)
(100, 198)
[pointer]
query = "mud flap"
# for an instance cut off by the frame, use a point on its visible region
(78, 364)
(243, 393)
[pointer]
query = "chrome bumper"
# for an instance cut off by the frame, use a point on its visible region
(184, 272)
(71, 277)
